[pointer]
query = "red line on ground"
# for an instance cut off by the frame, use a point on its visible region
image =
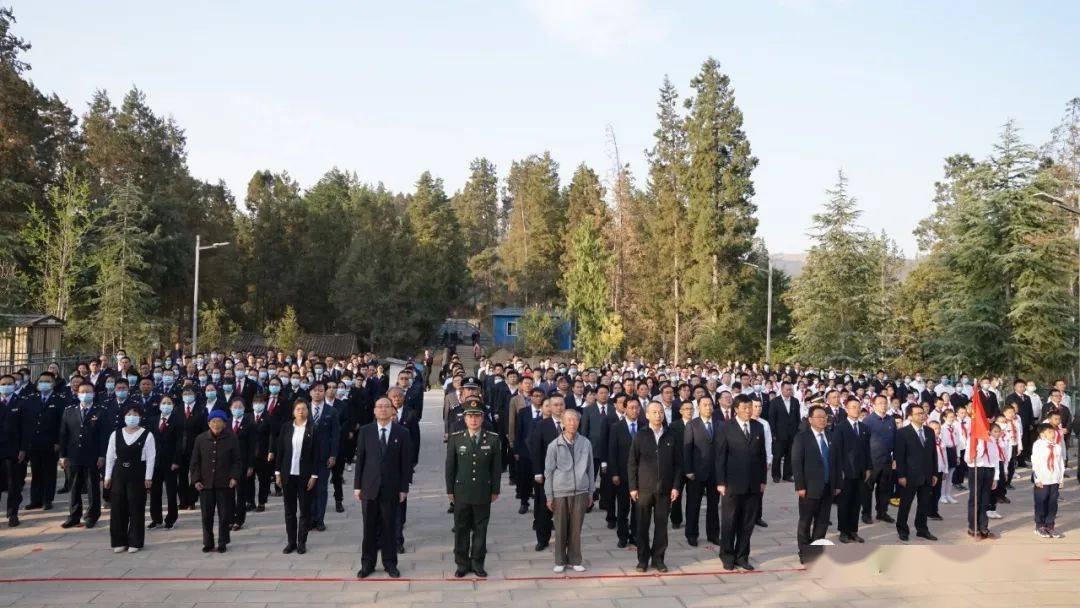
(471, 579)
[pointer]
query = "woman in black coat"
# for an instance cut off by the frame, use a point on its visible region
(295, 471)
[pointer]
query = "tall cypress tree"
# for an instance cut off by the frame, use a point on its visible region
(536, 217)
(477, 207)
(719, 212)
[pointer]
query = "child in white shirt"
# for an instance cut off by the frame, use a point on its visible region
(1047, 472)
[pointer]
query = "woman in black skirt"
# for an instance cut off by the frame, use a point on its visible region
(295, 470)
(129, 472)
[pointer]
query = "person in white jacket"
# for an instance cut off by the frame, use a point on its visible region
(1047, 472)
(983, 479)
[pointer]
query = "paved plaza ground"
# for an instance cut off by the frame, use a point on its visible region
(44, 565)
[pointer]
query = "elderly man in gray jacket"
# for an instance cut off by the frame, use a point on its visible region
(568, 485)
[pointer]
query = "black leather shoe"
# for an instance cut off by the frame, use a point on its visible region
(260, 508)
(903, 536)
(1003, 499)
(844, 538)
(321, 527)
(48, 506)
(301, 548)
(90, 523)
(13, 521)
(887, 519)
(926, 534)
(365, 571)
(401, 548)
(207, 549)
(610, 525)
(288, 549)
(393, 573)
(460, 572)
(340, 508)
(65, 525)
(729, 566)
(744, 566)
(676, 526)
(866, 519)
(692, 542)
(935, 517)
(660, 566)
(857, 538)
(642, 567)
(153, 525)
(541, 546)
(31, 507)
(168, 526)
(222, 549)
(761, 523)
(621, 544)
(480, 572)
(523, 509)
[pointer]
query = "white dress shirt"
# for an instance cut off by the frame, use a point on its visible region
(149, 452)
(297, 448)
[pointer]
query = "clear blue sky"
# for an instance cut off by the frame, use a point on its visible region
(884, 90)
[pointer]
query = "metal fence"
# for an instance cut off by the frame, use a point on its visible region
(39, 363)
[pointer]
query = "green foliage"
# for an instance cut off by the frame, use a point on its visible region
(536, 332)
(285, 333)
(536, 220)
(476, 208)
(217, 330)
(587, 294)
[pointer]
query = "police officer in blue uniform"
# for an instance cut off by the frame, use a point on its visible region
(84, 435)
(41, 415)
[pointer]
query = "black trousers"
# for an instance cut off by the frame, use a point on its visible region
(220, 500)
(695, 490)
(88, 478)
(297, 508)
(652, 510)
(43, 475)
(14, 477)
(543, 523)
(379, 514)
(984, 477)
(625, 513)
(738, 514)
(781, 464)
(1046, 506)
(675, 511)
(848, 504)
(960, 473)
(127, 516)
(813, 518)
(908, 494)
(186, 492)
(523, 488)
(878, 490)
(470, 534)
(264, 474)
(403, 514)
(337, 478)
(164, 479)
(240, 500)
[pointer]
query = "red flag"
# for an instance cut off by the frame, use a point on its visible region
(980, 428)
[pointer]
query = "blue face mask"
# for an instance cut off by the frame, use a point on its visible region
(44, 387)
(263, 375)
(304, 385)
(7, 389)
(295, 382)
(215, 376)
(202, 380)
(133, 379)
(109, 386)
(259, 407)
(167, 379)
(86, 398)
(166, 409)
(227, 388)
(131, 421)
(189, 399)
(121, 394)
(349, 382)
(274, 389)
(157, 376)
(211, 395)
(238, 412)
(342, 393)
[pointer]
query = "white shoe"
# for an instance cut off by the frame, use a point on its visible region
(558, 569)
(119, 549)
(944, 500)
(993, 515)
(953, 500)
(578, 568)
(133, 549)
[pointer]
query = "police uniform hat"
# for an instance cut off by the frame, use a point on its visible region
(470, 382)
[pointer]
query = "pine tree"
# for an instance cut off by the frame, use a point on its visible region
(217, 330)
(720, 215)
(439, 249)
(285, 333)
(477, 208)
(536, 216)
(586, 291)
(585, 202)
(122, 302)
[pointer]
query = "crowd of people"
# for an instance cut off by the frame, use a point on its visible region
(643, 443)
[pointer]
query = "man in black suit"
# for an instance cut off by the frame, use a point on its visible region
(542, 435)
(916, 472)
(851, 447)
(525, 422)
(245, 387)
(195, 423)
(816, 479)
(1022, 402)
(383, 473)
(740, 479)
(596, 421)
(784, 414)
(168, 429)
(242, 425)
(409, 418)
(328, 434)
(265, 427)
(84, 435)
(699, 463)
(620, 438)
(41, 415)
(654, 470)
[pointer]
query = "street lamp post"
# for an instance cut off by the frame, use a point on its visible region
(1060, 204)
(768, 311)
(199, 248)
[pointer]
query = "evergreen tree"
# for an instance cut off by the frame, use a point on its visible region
(217, 330)
(536, 217)
(438, 249)
(720, 215)
(586, 291)
(285, 333)
(477, 208)
(585, 202)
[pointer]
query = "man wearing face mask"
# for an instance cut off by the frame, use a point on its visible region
(241, 425)
(265, 427)
(41, 414)
(12, 458)
(195, 423)
(168, 429)
(84, 434)
(328, 436)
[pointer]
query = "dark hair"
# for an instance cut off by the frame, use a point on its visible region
(1043, 427)
(741, 399)
(814, 409)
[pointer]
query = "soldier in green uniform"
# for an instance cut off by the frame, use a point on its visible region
(473, 472)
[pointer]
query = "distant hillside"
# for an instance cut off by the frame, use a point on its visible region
(792, 263)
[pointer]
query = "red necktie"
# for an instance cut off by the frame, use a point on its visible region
(257, 418)
(1050, 460)
(236, 426)
(273, 402)
(161, 429)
